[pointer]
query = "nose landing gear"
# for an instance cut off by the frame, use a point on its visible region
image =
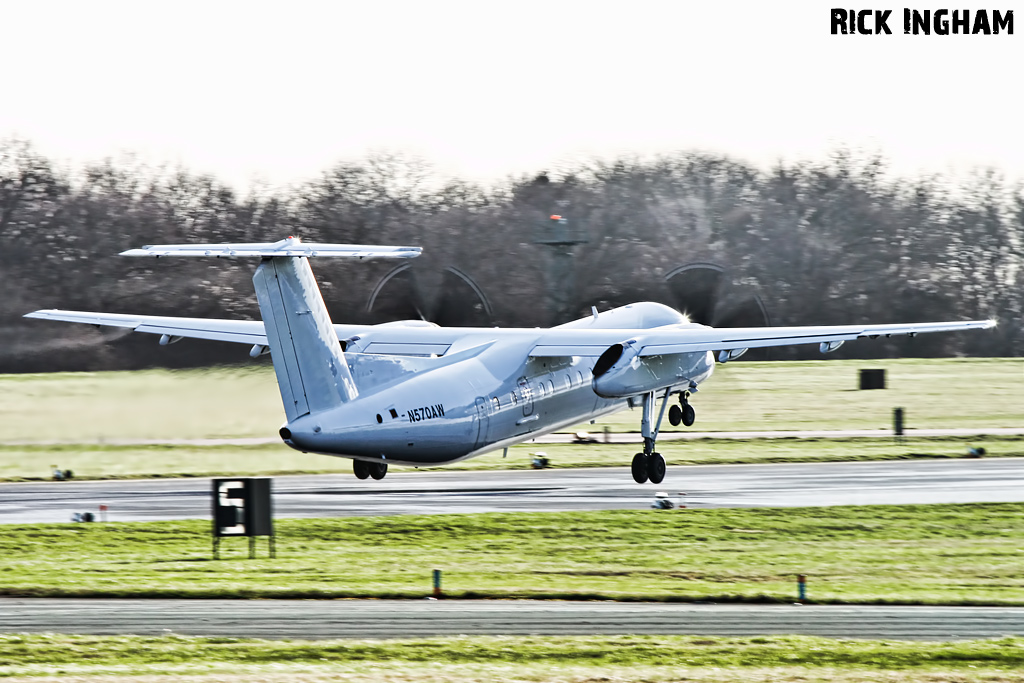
(363, 469)
(378, 470)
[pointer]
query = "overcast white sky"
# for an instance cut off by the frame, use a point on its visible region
(281, 90)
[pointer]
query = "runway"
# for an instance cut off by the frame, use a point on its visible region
(931, 481)
(326, 619)
(611, 437)
(411, 492)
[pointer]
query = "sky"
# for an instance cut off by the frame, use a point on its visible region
(276, 92)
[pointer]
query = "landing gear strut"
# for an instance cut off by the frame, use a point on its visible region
(650, 465)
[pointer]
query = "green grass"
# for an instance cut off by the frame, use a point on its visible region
(107, 462)
(90, 461)
(153, 404)
(531, 658)
(244, 402)
(956, 554)
(91, 414)
(812, 395)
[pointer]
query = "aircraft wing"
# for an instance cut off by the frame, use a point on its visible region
(414, 338)
(661, 341)
(240, 331)
(671, 339)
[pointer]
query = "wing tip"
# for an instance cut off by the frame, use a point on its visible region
(41, 313)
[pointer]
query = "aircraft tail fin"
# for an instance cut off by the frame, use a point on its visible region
(311, 369)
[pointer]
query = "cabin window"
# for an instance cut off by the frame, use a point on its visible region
(515, 399)
(551, 385)
(580, 376)
(568, 382)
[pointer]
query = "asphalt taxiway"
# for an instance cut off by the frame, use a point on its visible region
(411, 492)
(314, 620)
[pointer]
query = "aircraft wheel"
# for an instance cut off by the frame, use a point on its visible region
(378, 469)
(361, 469)
(675, 415)
(640, 468)
(656, 468)
(689, 415)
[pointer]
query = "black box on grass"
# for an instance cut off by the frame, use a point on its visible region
(872, 379)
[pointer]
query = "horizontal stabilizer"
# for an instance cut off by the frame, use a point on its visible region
(291, 246)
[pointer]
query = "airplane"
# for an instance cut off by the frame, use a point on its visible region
(412, 393)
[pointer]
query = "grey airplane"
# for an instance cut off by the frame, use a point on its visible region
(413, 393)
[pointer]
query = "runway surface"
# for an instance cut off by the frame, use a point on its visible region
(424, 618)
(411, 492)
(611, 437)
(934, 481)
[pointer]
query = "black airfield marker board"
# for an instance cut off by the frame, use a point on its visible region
(242, 506)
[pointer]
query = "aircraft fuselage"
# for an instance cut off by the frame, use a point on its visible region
(411, 413)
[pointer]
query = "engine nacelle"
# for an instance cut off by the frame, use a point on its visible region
(726, 355)
(621, 372)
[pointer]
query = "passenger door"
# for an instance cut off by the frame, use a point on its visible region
(526, 393)
(482, 419)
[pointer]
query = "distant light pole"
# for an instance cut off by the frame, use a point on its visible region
(560, 280)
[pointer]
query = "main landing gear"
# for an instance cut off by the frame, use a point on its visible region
(682, 413)
(650, 465)
(363, 469)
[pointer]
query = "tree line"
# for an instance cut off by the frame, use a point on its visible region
(813, 242)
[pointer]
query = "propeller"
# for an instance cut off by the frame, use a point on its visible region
(448, 297)
(705, 293)
(708, 296)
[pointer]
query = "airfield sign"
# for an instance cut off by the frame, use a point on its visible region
(242, 506)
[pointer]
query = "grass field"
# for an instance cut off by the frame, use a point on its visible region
(82, 421)
(104, 462)
(959, 554)
(244, 402)
(955, 554)
(591, 659)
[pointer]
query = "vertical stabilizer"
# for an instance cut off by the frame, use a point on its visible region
(310, 365)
